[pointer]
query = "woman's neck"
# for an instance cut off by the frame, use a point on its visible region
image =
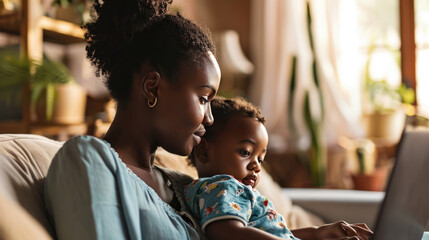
(132, 144)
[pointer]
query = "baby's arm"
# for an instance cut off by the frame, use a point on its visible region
(234, 229)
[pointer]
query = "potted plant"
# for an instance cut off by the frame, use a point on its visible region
(384, 115)
(366, 175)
(55, 96)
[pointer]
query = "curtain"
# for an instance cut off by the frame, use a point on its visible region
(279, 32)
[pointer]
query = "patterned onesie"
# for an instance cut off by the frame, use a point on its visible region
(224, 197)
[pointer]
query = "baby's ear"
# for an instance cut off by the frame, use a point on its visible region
(201, 151)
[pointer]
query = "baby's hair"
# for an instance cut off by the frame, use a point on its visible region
(223, 109)
(127, 34)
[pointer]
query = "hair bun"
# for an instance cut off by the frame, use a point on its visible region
(114, 27)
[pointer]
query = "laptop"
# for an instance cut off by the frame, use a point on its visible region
(404, 212)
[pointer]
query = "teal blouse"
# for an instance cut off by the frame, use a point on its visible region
(91, 194)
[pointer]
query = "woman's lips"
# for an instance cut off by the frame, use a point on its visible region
(197, 139)
(198, 134)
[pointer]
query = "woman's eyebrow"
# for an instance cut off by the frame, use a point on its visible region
(212, 92)
(208, 86)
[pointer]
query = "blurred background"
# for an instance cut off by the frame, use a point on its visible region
(337, 80)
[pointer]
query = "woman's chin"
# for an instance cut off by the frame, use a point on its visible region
(184, 149)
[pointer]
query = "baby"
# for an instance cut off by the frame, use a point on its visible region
(228, 161)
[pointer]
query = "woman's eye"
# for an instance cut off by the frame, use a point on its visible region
(204, 100)
(244, 153)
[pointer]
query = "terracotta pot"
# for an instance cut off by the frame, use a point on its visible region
(370, 182)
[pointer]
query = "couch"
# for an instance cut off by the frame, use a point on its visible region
(25, 159)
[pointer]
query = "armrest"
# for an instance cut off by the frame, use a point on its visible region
(333, 205)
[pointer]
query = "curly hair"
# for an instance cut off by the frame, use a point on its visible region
(127, 34)
(223, 109)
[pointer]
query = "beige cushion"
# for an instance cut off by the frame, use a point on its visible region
(24, 162)
(17, 224)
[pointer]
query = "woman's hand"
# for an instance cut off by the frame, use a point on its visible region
(343, 230)
(334, 231)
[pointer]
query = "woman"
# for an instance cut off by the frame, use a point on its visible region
(161, 70)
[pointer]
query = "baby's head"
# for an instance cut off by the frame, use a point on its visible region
(235, 144)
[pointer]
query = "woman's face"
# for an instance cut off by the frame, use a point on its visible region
(183, 107)
(238, 150)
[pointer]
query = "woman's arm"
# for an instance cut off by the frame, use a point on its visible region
(81, 192)
(337, 230)
(234, 229)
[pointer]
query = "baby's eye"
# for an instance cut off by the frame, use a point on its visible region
(260, 160)
(204, 100)
(244, 153)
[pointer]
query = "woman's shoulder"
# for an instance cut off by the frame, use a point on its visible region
(85, 141)
(86, 149)
(84, 144)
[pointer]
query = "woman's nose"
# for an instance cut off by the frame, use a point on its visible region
(208, 116)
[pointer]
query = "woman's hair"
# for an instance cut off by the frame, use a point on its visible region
(223, 109)
(126, 34)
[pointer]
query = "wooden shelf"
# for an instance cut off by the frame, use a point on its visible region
(33, 29)
(55, 129)
(54, 30)
(12, 127)
(64, 32)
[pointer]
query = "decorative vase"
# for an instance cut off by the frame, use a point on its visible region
(385, 125)
(69, 106)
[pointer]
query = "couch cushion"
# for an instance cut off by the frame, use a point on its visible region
(24, 162)
(17, 224)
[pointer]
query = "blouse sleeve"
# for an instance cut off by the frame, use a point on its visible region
(81, 194)
(218, 198)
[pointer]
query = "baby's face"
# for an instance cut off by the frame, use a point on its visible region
(239, 149)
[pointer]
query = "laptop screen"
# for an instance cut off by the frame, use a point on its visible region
(404, 212)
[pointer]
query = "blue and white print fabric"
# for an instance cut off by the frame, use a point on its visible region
(224, 197)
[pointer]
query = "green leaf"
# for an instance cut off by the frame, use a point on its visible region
(292, 86)
(310, 34)
(36, 91)
(407, 94)
(50, 101)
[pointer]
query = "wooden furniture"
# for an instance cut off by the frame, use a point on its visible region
(33, 29)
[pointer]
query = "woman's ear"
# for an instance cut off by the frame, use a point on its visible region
(149, 85)
(201, 151)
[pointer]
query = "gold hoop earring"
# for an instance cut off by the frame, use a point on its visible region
(153, 104)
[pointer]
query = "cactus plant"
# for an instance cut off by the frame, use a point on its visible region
(315, 124)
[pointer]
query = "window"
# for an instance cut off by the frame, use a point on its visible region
(421, 10)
